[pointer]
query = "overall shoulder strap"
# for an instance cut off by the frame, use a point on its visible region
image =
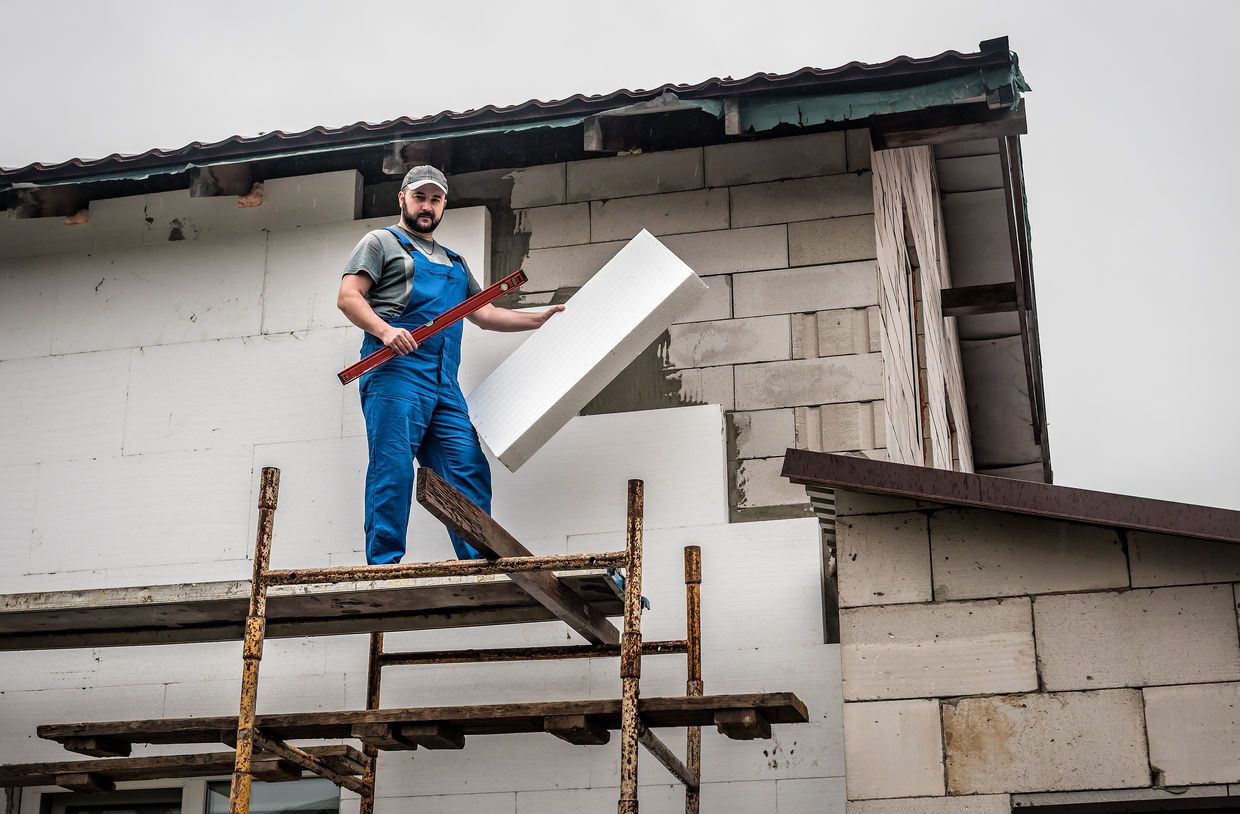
(404, 242)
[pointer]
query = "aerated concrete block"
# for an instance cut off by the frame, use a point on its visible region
(769, 385)
(973, 804)
(828, 196)
(1194, 733)
(759, 483)
(729, 342)
(919, 651)
(840, 427)
(836, 333)
(1138, 637)
(1164, 559)
(726, 251)
(564, 225)
(1045, 742)
(566, 266)
(883, 559)
(751, 162)
(668, 214)
(541, 185)
(642, 174)
(979, 553)
(711, 385)
(716, 303)
(567, 362)
(833, 240)
(800, 290)
(764, 433)
(880, 735)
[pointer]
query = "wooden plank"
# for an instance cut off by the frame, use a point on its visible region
(969, 300)
(489, 719)
(205, 612)
(84, 781)
(432, 736)
(275, 770)
(461, 515)
(98, 746)
(382, 736)
(580, 730)
(742, 724)
(341, 758)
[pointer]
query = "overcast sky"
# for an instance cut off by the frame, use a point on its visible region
(1130, 164)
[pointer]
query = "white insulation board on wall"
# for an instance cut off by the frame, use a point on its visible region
(549, 378)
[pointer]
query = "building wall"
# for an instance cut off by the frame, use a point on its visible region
(787, 338)
(999, 659)
(154, 357)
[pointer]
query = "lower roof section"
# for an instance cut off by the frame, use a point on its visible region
(855, 474)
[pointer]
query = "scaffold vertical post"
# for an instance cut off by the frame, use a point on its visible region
(374, 680)
(252, 649)
(631, 651)
(693, 686)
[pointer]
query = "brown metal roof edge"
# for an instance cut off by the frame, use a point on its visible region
(1010, 495)
(990, 52)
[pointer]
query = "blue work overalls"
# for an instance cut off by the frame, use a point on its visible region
(414, 409)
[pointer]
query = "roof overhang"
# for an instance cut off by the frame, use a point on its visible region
(826, 471)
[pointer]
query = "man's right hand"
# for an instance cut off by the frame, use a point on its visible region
(398, 339)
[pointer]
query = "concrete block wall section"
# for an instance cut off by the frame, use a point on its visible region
(783, 232)
(138, 465)
(1038, 666)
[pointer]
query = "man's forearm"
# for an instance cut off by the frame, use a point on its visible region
(494, 318)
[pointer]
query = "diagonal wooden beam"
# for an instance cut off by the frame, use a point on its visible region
(460, 514)
(669, 760)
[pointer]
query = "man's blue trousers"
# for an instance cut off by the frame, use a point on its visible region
(430, 422)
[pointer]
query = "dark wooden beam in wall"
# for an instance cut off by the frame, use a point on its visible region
(970, 300)
(403, 155)
(221, 179)
(942, 126)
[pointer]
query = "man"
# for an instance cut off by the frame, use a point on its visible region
(399, 278)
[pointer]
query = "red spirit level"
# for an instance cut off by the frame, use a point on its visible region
(444, 320)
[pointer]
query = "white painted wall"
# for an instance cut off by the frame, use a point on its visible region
(143, 384)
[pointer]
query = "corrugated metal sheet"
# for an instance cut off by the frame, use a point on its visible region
(850, 78)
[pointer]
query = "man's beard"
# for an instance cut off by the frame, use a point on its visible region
(410, 221)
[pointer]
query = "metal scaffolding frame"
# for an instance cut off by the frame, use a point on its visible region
(261, 743)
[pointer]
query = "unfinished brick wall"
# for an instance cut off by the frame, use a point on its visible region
(988, 654)
(787, 337)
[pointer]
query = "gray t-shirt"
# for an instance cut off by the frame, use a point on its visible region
(380, 257)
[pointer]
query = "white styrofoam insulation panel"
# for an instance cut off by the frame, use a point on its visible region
(553, 374)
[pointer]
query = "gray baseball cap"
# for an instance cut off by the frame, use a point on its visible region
(425, 174)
